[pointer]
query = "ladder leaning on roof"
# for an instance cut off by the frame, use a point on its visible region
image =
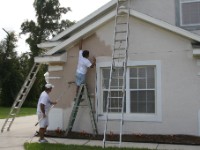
(21, 97)
(115, 101)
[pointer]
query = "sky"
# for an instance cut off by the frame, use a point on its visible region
(14, 12)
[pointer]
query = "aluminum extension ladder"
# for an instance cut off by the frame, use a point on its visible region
(82, 94)
(21, 97)
(117, 80)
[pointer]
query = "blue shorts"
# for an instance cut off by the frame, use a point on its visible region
(80, 79)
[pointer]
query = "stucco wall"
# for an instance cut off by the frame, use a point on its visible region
(160, 9)
(179, 81)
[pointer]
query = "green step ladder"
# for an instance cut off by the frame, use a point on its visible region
(82, 93)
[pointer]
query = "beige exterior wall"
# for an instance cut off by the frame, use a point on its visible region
(160, 9)
(179, 87)
(164, 10)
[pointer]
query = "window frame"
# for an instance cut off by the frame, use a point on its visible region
(156, 117)
(179, 18)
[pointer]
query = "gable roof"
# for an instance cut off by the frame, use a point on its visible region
(91, 24)
(87, 20)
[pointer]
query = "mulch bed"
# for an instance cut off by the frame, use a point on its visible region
(143, 138)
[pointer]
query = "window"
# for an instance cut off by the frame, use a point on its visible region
(142, 89)
(116, 93)
(189, 14)
(143, 93)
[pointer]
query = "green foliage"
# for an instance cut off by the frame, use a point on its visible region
(14, 69)
(48, 146)
(49, 23)
(10, 77)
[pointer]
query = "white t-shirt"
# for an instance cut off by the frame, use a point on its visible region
(44, 99)
(83, 63)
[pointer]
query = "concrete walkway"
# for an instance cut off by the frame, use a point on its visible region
(23, 130)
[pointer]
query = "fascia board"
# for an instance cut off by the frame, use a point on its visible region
(83, 32)
(51, 58)
(165, 25)
(48, 44)
(84, 20)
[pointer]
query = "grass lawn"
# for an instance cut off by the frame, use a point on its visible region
(4, 111)
(48, 146)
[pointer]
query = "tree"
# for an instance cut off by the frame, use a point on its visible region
(10, 77)
(49, 23)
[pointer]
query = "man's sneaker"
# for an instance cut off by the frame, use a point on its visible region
(43, 141)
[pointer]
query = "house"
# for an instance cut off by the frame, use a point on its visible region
(162, 90)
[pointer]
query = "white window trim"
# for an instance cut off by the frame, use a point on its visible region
(156, 117)
(181, 20)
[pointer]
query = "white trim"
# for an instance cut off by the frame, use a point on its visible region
(83, 32)
(88, 30)
(55, 68)
(48, 44)
(51, 58)
(165, 25)
(157, 117)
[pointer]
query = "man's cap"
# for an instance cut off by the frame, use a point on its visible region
(48, 86)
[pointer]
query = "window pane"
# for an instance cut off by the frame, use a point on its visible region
(133, 72)
(142, 83)
(115, 103)
(141, 72)
(105, 78)
(133, 83)
(142, 89)
(190, 13)
(142, 101)
(150, 77)
(145, 78)
(117, 78)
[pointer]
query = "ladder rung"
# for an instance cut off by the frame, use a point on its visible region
(124, 31)
(122, 23)
(122, 8)
(119, 57)
(112, 86)
(117, 77)
(9, 120)
(19, 100)
(120, 40)
(112, 97)
(122, 15)
(118, 49)
(111, 119)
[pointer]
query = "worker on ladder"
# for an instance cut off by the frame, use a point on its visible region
(83, 64)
